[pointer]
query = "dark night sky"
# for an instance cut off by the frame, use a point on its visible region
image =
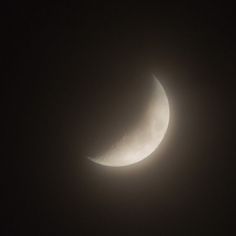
(76, 77)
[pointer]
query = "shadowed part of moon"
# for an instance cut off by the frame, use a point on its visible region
(140, 142)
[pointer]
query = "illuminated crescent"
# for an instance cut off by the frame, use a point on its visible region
(140, 142)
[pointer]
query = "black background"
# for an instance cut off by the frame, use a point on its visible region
(76, 77)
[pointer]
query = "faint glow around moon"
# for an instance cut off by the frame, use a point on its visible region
(145, 137)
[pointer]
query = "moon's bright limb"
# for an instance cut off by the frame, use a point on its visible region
(143, 139)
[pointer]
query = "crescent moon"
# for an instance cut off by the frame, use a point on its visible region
(139, 143)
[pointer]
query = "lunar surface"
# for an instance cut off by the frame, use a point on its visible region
(140, 142)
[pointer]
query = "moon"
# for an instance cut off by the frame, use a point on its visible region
(144, 139)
